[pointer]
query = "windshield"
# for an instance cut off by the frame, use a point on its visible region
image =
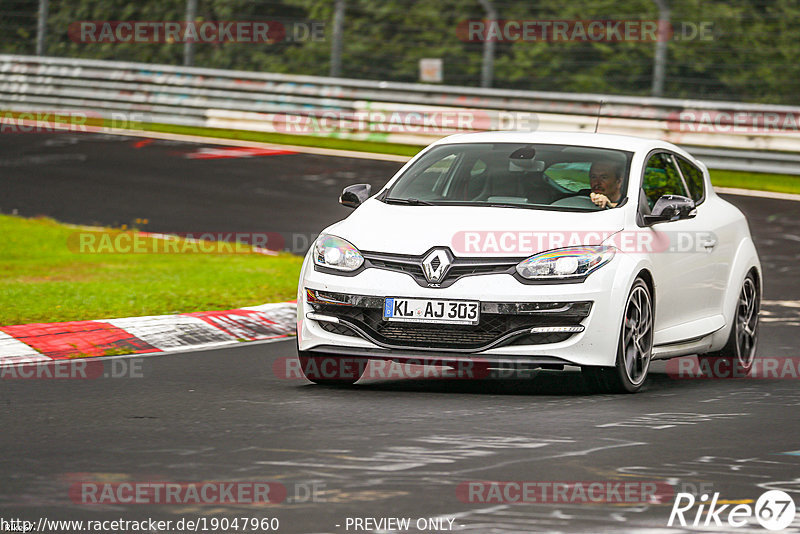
(558, 177)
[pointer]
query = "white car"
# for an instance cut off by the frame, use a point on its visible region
(533, 250)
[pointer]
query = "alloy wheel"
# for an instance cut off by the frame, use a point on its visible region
(637, 335)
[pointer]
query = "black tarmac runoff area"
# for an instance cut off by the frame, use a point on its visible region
(388, 455)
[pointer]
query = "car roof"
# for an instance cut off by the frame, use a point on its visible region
(597, 140)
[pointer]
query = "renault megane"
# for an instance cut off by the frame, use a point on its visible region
(533, 250)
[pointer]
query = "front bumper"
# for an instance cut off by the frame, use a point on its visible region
(501, 323)
(509, 311)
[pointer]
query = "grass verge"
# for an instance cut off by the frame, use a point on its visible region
(44, 277)
(777, 183)
(289, 139)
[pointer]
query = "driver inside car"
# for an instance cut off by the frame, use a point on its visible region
(605, 179)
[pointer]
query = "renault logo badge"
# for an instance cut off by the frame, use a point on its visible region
(436, 264)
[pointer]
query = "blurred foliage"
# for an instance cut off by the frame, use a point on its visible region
(749, 53)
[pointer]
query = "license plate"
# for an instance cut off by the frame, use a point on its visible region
(432, 311)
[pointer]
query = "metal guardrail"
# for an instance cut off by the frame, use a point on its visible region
(726, 135)
(748, 160)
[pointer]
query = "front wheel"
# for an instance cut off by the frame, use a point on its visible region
(634, 349)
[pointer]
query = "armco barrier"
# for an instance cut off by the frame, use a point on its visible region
(727, 135)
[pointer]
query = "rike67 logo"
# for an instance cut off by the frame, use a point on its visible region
(774, 510)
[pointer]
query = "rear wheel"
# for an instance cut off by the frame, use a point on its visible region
(736, 358)
(634, 349)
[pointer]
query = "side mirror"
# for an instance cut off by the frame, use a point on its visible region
(354, 195)
(671, 208)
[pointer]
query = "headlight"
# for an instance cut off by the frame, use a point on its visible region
(336, 253)
(565, 263)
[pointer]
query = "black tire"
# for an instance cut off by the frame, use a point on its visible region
(735, 359)
(331, 369)
(634, 348)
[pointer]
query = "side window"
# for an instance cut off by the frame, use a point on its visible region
(661, 178)
(478, 168)
(432, 180)
(694, 179)
(473, 185)
(437, 172)
(570, 176)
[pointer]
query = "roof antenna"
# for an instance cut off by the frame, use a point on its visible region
(599, 110)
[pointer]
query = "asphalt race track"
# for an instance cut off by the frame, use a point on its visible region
(386, 447)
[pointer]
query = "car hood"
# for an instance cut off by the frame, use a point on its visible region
(472, 230)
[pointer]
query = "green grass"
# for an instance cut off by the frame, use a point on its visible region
(780, 183)
(45, 278)
(289, 139)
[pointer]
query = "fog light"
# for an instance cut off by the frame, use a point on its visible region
(324, 318)
(556, 329)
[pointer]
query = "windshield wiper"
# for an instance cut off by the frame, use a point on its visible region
(409, 201)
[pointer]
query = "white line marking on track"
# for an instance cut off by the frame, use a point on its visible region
(760, 194)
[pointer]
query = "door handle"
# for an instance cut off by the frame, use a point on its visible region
(709, 244)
